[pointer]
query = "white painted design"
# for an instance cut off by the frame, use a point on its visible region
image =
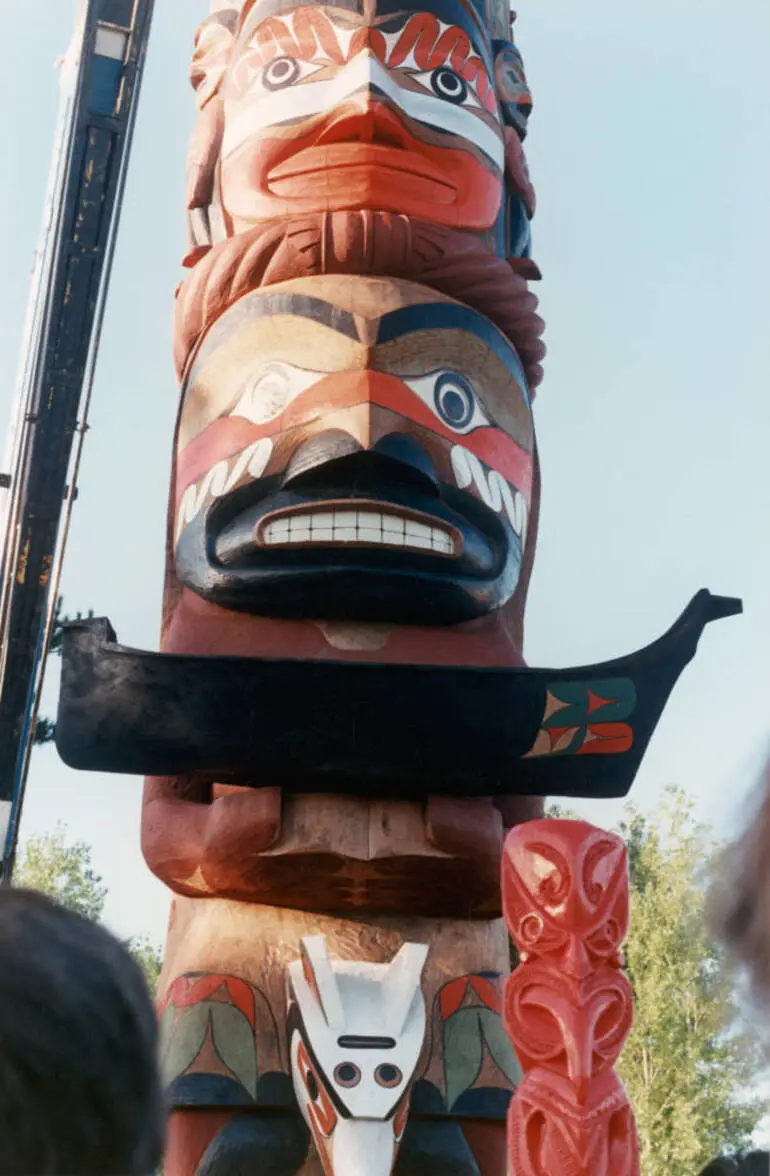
(362, 1026)
(264, 108)
(492, 489)
(365, 527)
(272, 390)
(223, 477)
(363, 1147)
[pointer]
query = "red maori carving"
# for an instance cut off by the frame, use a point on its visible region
(568, 1007)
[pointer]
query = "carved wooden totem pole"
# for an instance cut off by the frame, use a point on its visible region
(355, 479)
(340, 727)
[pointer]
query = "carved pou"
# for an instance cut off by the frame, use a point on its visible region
(355, 479)
(568, 1006)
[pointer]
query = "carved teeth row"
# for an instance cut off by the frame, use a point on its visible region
(223, 477)
(492, 488)
(356, 526)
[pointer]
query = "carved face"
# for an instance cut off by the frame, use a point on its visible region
(565, 894)
(356, 1032)
(354, 448)
(327, 109)
(551, 1130)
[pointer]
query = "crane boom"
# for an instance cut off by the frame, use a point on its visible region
(101, 77)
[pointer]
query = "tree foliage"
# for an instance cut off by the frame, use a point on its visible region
(687, 1065)
(63, 870)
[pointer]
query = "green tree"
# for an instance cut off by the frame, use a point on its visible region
(687, 1065)
(63, 870)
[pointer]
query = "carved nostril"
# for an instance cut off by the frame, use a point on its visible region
(399, 447)
(319, 451)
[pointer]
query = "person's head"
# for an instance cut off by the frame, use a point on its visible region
(756, 1163)
(79, 1087)
(740, 899)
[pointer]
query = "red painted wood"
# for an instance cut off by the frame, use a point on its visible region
(568, 1006)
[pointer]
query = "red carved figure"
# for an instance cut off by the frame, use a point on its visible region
(568, 1006)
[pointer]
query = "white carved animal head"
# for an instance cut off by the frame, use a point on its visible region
(356, 1032)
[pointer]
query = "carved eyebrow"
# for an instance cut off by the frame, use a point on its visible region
(260, 305)
(426, 316)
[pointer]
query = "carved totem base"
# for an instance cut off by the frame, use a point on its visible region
(227, 1038)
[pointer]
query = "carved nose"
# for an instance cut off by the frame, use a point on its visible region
(336, 457)
(404, 449)
(365, 118)
(319, 451)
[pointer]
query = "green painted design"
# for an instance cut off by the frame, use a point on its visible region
(185, 1040)
(499, 1045)
(235, 1044)
(580, 709)
(463, 1053)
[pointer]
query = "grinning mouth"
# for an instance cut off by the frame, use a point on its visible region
(359, 525)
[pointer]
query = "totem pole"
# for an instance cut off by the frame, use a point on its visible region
(340, 728)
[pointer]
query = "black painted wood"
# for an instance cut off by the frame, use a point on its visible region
(385, 730)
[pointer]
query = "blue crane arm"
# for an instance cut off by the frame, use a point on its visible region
(102, 75)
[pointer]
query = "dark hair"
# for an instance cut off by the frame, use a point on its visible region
(756, 1163)
(740, 898)
(79, 1086)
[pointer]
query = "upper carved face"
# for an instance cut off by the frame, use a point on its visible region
(565, 892)
(357, 448)
(326, 108)
(325, 112)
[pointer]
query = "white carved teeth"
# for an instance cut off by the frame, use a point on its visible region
(369, 527)
(492, 488)
(221, 479)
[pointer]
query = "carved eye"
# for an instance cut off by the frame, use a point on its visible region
(347, 1074)
(271, 390)
(388, 1075)
(455, 400)
(449, 85)
(282, 71)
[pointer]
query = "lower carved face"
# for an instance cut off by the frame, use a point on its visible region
(354, 448)
(346, 1145)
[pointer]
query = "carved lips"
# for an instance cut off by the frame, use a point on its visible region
(391, 475)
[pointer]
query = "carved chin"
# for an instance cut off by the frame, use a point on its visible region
(355, 638)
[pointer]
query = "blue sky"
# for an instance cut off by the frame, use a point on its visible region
(649, 150)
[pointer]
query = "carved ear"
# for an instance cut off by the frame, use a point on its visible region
(321, 980)
(511, 86)
(213, 45)
(400, 985)
(516, 170)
